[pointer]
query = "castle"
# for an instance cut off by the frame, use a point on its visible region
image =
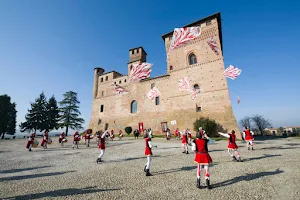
(173, 108)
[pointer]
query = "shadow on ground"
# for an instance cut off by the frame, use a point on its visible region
(16, 178)
(247, 177)
(22, 169)
(280, 147)
(262, 157)
(62, 193)
(188, 168)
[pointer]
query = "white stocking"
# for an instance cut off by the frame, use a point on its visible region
(207, 175)
(101, 153)
(148, 162)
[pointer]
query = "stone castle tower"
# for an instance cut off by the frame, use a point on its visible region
(174, 108)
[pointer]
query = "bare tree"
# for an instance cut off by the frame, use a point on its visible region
(261, 123)
(245, 122)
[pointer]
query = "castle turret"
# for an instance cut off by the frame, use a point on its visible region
(97, 72)
(136, 55)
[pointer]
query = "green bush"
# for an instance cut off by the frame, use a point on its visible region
(128, 130)
(210, 126)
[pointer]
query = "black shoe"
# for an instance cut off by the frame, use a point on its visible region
(252, 149)
(187, 152)
(240, 160)
(145, 168)
(99, 160)
(148, 172)
(208, 186)
(198, 183)
(234, 158)
(29, 149)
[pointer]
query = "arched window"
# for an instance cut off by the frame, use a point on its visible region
(192, 59)
(196, 86)
(133, 107)
(171, 67)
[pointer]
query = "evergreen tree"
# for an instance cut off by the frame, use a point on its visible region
(52, 114)
(8, 115)
(36, 118)
(70, 113)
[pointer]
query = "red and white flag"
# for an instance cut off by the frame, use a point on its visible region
(213, 45)
(183, 36)
(120, 90)
(184, 84)
(154, 92)
(140, 71)
(194, 93)
(232, 72)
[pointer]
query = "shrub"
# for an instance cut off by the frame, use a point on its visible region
(128, 130)
(210, 126)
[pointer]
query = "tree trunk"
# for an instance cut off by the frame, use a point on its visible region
(2, 137)
(67, 128)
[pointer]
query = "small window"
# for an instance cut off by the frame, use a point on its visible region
(192, 59)
(99, 121)
(198, 109)
(106, 78)
(152, 85)
(137, 51)
(156, 100)
(102, 94)
(115, 83)
(102, 79)
(125, 80)
(120, 82)
(171, 67)
(196, 87)
(102, 108)
(208, 23)
(132, 52)
(131, 67)
(133, 107)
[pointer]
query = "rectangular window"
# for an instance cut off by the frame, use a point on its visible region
(152, 85)
(106, 126)
(156, 100)
(198, 108)
(102, 108)
(137, 51)
(102, 79)
(102, 94)
(106, 78)
(132, 52)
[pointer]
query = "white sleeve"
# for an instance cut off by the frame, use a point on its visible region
(244, 134)
(150, 144)
(193, 146)
(251, 132)
(224, 134)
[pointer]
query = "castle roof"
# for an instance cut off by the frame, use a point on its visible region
(216, 15)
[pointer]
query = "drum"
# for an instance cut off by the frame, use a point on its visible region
(35, 144)
(65, 140)
(49, 141)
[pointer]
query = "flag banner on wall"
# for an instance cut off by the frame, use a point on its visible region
(183, 36)
(212, 42)
(140, 71)
(232, 72)
(120, 90)
(154, 92)
(184, 84)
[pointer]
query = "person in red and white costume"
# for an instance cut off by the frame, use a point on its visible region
(102, 146)
(62, 138)
(177, 134)
(30, 141)
(45, 140)
(76, 139)
(98, 137)
(232, 145)
(112, 135)
(148, 153)
(189, 135)
(88, 137)
(202, 158)
(184, 142)
(120, 134)
(248, 137)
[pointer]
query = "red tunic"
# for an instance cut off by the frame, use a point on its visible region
(248, 135)
(76, 137)
(202, 156)
(231, 142)
(189, 135)
(45, 139)
(184, 139)
(102, 143)
(148, 151)
(61, 137)
(177, 133)
(87, 136)
(30, 141)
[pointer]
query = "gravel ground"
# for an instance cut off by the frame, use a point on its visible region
(272, 171)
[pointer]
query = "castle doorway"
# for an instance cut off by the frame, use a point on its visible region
(164, 126)
(106, 126)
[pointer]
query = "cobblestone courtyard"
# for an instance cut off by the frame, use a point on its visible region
(272, 171)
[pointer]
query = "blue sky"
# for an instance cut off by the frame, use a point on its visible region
(53, 46)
